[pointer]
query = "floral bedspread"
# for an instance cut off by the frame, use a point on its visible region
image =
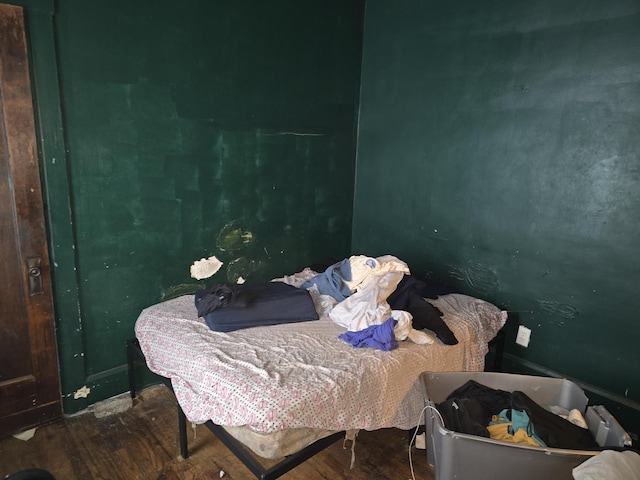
(302, 375)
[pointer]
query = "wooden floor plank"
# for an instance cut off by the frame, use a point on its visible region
(142, 444)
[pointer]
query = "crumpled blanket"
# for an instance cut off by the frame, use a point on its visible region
(609, 465)
(302, 375)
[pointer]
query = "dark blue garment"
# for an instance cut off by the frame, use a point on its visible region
(330, 282)
(262, 304)
(380, 337)
(409, 296)
(220, 296)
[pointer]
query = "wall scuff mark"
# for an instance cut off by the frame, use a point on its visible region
(479, 277)
(175, 291)
(555, 308)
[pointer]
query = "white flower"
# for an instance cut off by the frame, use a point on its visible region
(205, 267)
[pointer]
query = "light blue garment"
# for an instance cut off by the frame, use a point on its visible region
(330, 282)
(519, 420)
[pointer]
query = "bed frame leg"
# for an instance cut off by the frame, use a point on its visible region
(131, 345)
(182, 427)
(496, 346)
(133, 352)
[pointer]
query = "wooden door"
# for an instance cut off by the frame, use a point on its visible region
(29, 377)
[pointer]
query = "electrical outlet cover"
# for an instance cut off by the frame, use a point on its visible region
(523, 337)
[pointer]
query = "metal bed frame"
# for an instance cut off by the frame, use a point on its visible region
(134, 353)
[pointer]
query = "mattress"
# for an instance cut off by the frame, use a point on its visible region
(301, 375)
(277, 444)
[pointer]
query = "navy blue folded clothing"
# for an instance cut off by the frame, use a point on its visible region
(221, 295)
(260, 304)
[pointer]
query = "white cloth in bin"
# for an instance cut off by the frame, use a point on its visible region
(609, 465)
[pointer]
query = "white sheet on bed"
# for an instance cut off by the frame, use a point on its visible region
(302, 375)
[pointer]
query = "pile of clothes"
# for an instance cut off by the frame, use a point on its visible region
(479, 410)
(376, 300)
(379, 302)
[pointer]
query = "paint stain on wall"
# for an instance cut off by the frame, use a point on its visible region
(235, 237)
(243, 268)
(239, 242)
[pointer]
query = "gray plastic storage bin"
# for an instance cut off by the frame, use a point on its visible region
(468, 457)
(605, 428)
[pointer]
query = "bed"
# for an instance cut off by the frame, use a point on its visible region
(288, 390)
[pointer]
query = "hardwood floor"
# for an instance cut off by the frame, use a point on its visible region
(142, 443)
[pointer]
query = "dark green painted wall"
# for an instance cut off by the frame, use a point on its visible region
(191, 129)
(499, 151)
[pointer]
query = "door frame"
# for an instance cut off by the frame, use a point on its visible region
(31, 394)
(55, 183)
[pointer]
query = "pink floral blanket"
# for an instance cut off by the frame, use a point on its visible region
(302, 375)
